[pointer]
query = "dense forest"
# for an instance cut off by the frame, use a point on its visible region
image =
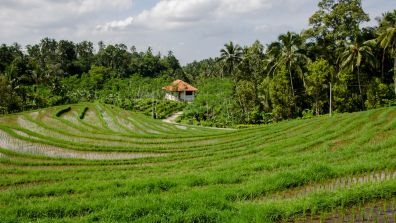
(335, 65)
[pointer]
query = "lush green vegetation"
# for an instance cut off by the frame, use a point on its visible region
(98, 153)
(117, 166)
(288, 78)
(155, 108)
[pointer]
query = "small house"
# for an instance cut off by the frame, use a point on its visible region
(180, 91)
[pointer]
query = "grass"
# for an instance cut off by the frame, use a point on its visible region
(128, 167)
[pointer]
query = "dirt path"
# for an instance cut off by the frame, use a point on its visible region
(172, 118)
(17, 145)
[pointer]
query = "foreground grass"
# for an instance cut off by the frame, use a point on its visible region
(279, 172)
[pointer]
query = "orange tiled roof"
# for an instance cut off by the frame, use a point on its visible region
(179, 85)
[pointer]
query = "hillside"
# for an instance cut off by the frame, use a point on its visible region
(93, 162)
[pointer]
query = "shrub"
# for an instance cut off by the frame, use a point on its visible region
(63, 111)
(82, 115)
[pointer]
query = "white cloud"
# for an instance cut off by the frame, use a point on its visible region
(28, 21)
(170, 14)
(43, 13)
(85, 6)
(119, 24)
(238, 6)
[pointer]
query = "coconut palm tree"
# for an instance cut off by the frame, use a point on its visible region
(231, 55)
(290, 54)
(271, 57)
(353, 55)
(387, 38)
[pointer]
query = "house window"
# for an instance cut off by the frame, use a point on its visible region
(189, 93)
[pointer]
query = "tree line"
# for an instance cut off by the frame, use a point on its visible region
(288, 78)
(295, 75)
(61, 72)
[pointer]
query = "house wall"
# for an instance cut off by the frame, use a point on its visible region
(188, 98)
(173, 96)
(180, 96)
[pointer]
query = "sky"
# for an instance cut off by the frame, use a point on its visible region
(191, 29)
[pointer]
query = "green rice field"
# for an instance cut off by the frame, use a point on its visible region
(99, 163)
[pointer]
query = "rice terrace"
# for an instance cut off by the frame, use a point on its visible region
(91, 162)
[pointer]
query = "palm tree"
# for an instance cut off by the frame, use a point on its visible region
(290, 54)
(353, 55)
(271, 57)
(387, 38)
(231, 55)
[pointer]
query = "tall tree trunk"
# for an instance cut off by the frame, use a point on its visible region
(316, 107)
(292, 87)
(383, 66)
(394, 73)
(360, 88)
(291, 79)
